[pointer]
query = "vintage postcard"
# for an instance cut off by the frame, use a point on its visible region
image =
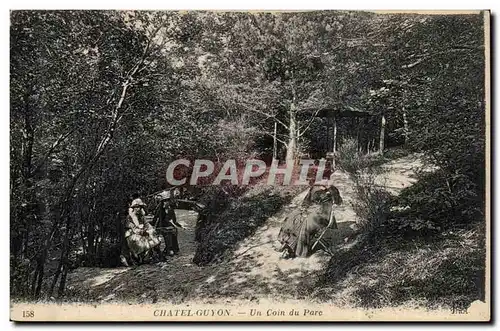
(249, 165)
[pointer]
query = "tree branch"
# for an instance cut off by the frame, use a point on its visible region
(270, 134)
(271, 116)
(52, 148)
(428, 56)
(309, 124)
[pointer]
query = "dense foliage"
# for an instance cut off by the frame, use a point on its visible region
(102, 101)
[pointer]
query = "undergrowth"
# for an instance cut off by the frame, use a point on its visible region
(426, 246)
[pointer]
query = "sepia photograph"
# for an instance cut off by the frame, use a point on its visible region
(216, 165)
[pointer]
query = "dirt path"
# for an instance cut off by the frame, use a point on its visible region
(165, 281)
(255, 272)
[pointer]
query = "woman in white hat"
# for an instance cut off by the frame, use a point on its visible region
(136, 213)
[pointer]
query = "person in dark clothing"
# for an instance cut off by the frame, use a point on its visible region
(166, 223)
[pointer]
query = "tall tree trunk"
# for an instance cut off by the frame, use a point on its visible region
(25, 216)
(334, 150)
(382, 134)
(405, 125)
(91, 242)
(57, 274)
(62, 284)
(65, 263)
(292, 135)
(24, 212)
(275, 141)
(39, 279)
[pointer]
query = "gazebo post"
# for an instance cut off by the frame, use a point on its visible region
(382, 134)
(365, 125)
(328, 142)
(358, 135)
(334, 134)
(331, 113)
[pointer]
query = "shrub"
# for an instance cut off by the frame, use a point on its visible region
(349, 159)
(436, 203)
(370, 202)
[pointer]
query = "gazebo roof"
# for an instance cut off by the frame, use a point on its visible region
(343, 111)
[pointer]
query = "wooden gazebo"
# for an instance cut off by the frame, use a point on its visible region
(333, 115)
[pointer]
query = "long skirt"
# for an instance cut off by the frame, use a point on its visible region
(142, 239)
(299, 230)
(171, 242)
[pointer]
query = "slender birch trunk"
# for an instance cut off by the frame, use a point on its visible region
(292, 135)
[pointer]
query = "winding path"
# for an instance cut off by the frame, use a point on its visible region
(255, 271)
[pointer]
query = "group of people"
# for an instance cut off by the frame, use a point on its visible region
(143, 235)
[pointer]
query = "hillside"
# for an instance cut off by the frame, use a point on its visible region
(254, 271)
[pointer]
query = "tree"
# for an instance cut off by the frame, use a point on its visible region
(81, 67)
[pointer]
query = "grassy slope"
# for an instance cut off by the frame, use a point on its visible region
(390, 271)
(380, 270)
(392, 265)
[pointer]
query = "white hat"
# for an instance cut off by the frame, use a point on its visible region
(163, 195)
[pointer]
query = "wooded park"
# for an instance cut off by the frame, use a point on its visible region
(101, 102)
